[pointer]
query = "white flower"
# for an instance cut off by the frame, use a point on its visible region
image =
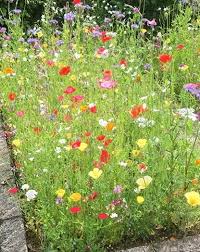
(103, 123)
(25, 187)
(113, 215)
(123, 164)
(187, 113)
(62, 141)
(58, 150)
(31, 195)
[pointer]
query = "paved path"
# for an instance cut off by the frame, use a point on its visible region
(12, 233)
(188, 244)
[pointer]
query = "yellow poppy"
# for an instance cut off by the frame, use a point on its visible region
(144, 182)
(75, 197)
(193, 198)
(95, 173)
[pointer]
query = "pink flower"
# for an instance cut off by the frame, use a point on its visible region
(77, 98)
(69, 90)
(107, 84)
(20, 113)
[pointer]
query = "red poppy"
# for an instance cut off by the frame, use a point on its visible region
(180, 47)
(60, 98)
(101, 137)
(93, 196)
(75, 210)
(11, 96)
(103, 216)
(65, 70)
(137, 110)
(69, 90)
(76, 144)
(104, 157)
(67, 118)
(93, 109)
(37, 130)
(123, 62)
(107, 142)
(88, 134)
(13, 190)
(76, 2)
(165, 58)
(105, 38)
(55, 112)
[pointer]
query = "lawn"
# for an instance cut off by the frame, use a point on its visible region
(103, 125)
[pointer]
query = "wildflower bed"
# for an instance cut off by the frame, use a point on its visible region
(104, 134)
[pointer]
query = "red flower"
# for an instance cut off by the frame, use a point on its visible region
(101, 137)
(88, 134)
(11, 96)
(123, 62)
(103, 216)
(69, 90)
(93, 196)
(37, 130)
(65, 70)
(75, 210)
(60, 98)
(55, 112)
(76, 2)
(93, 109)
(137, 110)
(165, 58)
(76, 144)
(104, 157)
(107, 142)
(13, 190)
(180, 47)
(105, 38)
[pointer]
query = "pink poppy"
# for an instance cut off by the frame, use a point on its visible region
(69, 90)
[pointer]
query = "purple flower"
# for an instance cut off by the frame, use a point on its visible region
(17, 11)
(147, 67)
(59, 201)
(193, 88)
(59, 42)
(70, 16)
(134, 26)
(107, 20)
(32, 40)
(117, 189)
(118, 14)
(53, 22)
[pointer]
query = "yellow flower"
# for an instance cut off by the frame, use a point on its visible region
(140, 199)
(141, 143)
(75, 197)
(16, 143)
(143, 31)
(60, 193)
(83, 146)
(193, 198)
(135, 153)
(69, 135)
(95, 173)
(64, 106)
(39, 34)
(144, 182)
(73, 78)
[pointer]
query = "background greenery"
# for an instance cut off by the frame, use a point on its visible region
(33, 9)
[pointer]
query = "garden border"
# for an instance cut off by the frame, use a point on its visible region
(12, 231)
